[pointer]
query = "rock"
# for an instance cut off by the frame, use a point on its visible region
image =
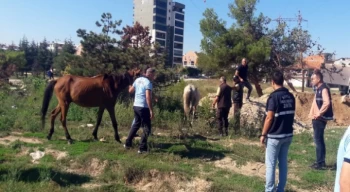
(37, 155)
(89, 125)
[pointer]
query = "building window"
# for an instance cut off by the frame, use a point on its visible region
(158, 11)
(158, 19)
(179, 24)
(192, 62)
(185, 62)
(177, 46)
(178, 52)
(179, 38)
(161, 42)
(179, 17)
(160, 35)
(159, 27)
(177, 60)
(179, 31)
(159, 3)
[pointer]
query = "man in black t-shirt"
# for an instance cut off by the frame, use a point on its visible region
(242, 73)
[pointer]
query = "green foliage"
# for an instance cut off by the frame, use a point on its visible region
(68, 47)
(10, 61)
(45, 57)
(100, 50)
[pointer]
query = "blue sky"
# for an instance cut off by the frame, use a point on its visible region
(328, 21)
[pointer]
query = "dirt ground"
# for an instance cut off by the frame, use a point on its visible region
(340, 110)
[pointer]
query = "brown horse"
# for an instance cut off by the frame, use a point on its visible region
(98, 91)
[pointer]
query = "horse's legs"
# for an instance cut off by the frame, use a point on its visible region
(54, 114)
(64, 111)
(193, 112)
(99, 118)
(114, 123)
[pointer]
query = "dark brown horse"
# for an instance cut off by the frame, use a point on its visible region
(98, 91)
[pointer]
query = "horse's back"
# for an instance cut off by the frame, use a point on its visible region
(191, 94)
(84, 91)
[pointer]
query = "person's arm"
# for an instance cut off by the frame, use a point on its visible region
(313, 105)
(268, 120)
(235, 87)
(326, 102)
(149, 99)
(216, 97)
(237, 73)
(131, 89)
(344, 180)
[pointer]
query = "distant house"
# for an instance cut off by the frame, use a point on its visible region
(79, 50)
(55, 46)
(314, 61)
(190, 59)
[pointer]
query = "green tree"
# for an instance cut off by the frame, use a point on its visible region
(225, 47)
(101, 48)
(62, 60)
(44, 58)
(254, 44)
(69, 47)
(10, 61)
(32, 59)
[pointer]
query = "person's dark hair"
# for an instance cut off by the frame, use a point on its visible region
(319, 75)
(277, 78)
(235, 78)
(223, 79)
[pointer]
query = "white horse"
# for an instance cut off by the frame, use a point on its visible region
(190, 99)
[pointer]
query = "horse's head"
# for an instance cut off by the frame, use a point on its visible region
(130, 75)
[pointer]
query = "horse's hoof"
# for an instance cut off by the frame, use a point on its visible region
(118, 140)
(70, 141)
(48, 137)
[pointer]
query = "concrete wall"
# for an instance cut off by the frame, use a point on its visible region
(143, 12)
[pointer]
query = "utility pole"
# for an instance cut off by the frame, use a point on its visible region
(301, 50)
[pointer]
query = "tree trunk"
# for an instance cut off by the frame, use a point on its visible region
(303, 81)
(257, 87)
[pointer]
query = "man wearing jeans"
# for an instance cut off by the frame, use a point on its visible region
(321, 111)
(143, 111)
(277, 132)
(242, 73)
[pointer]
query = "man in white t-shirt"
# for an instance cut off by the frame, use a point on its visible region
(342, 180)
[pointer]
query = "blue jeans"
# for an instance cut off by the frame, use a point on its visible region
(319, 127)
(276, 149)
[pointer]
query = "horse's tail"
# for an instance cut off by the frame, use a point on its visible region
(46, 100)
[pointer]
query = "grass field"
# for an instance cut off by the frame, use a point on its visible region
(231, 164)
(197, 162)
